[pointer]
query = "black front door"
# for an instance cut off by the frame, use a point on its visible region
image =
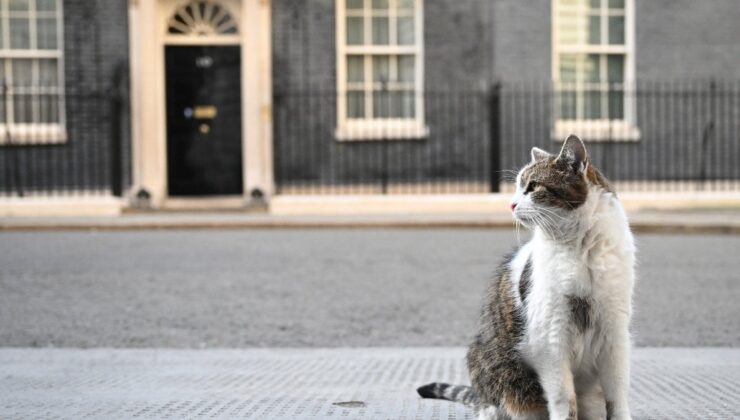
(204, 147)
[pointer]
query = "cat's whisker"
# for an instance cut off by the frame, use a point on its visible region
(548, 219)
(551, 212)
(509, 175)
(547, 224)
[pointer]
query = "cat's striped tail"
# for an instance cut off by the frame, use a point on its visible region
(458, 393)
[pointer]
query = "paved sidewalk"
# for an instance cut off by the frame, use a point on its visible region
(675, 221)
(374, 383)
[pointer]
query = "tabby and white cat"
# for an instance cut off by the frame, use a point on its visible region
(554, 333)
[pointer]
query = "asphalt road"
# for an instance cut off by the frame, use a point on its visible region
(319, 288)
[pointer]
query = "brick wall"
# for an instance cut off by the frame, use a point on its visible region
(95, 48)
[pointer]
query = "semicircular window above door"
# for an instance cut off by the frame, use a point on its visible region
(202, 18)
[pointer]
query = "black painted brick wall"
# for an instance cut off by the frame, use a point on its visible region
(95, 50)
(469, 45)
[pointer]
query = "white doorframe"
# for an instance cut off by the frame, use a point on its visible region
(147, 33)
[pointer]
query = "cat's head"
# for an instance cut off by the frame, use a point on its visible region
(550, 188)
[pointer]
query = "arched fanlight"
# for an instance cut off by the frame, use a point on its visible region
(202, 17)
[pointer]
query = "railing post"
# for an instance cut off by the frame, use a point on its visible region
(116, 144)
(385, 96)
(12, 152)
(707, 132)
(494, 161)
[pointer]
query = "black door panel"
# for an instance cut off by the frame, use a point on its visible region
(204, 146)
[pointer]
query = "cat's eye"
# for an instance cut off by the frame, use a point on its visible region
(530, 187)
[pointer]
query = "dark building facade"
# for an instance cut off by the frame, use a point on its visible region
(677, 81)
(380, 96)
(57, 139)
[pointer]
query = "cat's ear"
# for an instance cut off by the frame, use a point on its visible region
(539, 154)
(574, 153)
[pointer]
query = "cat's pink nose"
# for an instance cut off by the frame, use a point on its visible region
(513, 206)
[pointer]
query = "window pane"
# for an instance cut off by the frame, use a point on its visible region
(388, 104)
(594, 4)
(394, 104)
(567, 104)
(18, 5)
(355, 68)
(381, 104)
(47, 33)
(355, 31)
(405, 4)
(19, 33)
(380, 4)
(616, 30)
(616, 4)
(355, 104)
(22, 73)
(594, 30)
(615, 68)
(48, 73)
(380, 31)
(616, 104)
(568, 67)
(381, 68)
(2, 91)
(572, 26)
(592, 104)
(48, 108)
(405, 30)
(406, 66)
(354, 4)
(22, 108)
(49, 5)
(407, 104)
(593, 69)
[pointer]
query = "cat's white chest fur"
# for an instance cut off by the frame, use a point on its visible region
(595, 264)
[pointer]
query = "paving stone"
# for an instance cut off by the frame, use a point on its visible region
(371, 383)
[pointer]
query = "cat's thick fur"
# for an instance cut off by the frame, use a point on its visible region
(554, 333)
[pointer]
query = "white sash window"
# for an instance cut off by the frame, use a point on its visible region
(593, 68)
(31, 72)
(380, 69)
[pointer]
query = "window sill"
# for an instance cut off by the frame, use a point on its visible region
(381, 131)
(597, 130)
(32, 134)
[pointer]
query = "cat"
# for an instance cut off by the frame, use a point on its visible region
(554, 339)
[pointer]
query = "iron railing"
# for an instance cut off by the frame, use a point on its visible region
(447, 151)
(61, 144)
(647, 136)
(674, 136)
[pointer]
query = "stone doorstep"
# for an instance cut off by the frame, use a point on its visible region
(667, 383)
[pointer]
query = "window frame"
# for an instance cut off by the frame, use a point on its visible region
(35, 132)
(624, 129)
(378, 128)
